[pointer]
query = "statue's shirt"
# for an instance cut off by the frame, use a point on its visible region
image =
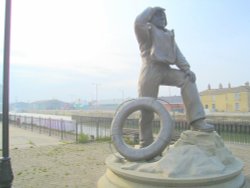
(163, 46)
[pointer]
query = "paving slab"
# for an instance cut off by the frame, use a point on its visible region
(21, 138)
(242, 151)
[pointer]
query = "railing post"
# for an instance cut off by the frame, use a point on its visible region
(25, 122)
(32, 123)
(81, 128)
(40, 126)
(15, 121)
(18, 121)
(97, 128)
(76, 132)
(61, 126)
(49, 126)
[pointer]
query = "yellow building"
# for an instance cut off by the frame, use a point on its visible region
(230, 99)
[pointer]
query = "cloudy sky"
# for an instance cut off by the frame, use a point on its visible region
(69, 49)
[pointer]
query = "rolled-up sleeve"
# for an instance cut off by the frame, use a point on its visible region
(142, 29)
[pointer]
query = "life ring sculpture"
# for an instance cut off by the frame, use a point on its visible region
(161, 141)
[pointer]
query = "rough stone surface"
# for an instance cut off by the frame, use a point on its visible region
(195, 154)
(197, 159)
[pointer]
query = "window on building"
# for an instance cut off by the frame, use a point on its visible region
(237, 106)
(213, 107)
(237, 96)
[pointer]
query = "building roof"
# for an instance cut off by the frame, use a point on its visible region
(172, 99)
(238, 89)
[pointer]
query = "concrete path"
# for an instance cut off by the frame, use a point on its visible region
(20, 138)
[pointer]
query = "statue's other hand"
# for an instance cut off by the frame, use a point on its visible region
(191, 75)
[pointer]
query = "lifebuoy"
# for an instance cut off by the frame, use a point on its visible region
(162, 140)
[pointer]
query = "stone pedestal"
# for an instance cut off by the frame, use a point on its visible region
(197, 159)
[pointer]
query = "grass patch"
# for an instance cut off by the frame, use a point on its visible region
(83, 138)
(104, 139)
(31, 143)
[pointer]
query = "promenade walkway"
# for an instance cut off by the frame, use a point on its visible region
(242, 151)
(21, 138)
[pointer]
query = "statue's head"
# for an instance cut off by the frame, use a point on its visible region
(159, 18)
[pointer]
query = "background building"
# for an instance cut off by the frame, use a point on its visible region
(230, 99)
(173, 103)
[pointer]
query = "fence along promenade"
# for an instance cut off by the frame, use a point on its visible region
(62, 128)
(237, 131)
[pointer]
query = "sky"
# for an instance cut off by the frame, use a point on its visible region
(75, 49)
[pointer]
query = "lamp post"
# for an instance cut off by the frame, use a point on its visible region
(6, 175)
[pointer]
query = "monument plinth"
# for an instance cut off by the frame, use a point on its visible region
(197, 159)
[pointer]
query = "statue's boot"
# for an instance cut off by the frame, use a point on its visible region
(201, 125)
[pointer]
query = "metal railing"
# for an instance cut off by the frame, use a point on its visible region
(99, 127)
(230, 131)
(64, 129)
